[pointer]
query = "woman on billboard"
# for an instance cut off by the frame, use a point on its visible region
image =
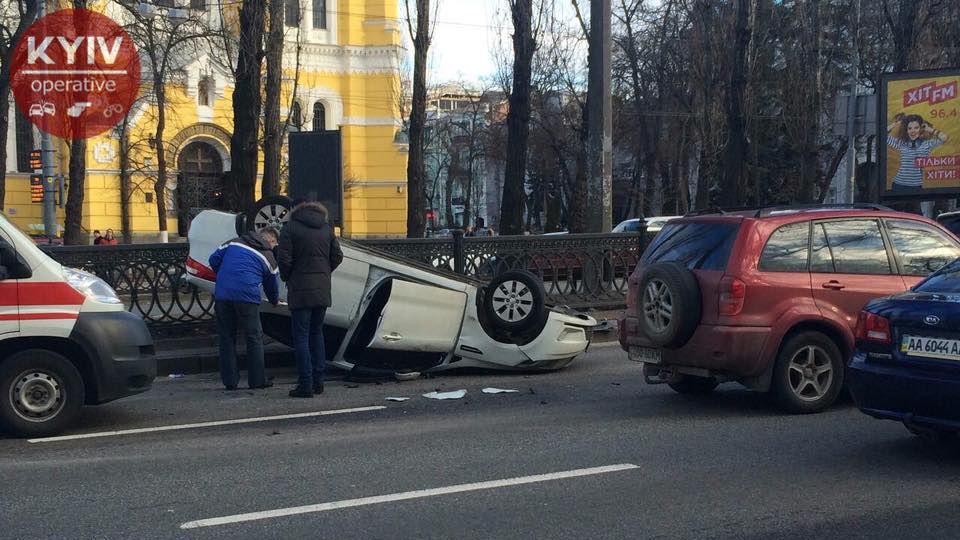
(913, 137)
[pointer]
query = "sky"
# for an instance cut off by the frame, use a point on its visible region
(465, 36)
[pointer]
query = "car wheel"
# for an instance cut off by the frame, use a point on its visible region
(41, 393)
(933, 435)
(808, 375)
(694, 385)
(271, 211)
(515, 301)
(669, 304)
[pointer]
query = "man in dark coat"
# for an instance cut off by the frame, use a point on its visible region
(243, 265)
(308, 255)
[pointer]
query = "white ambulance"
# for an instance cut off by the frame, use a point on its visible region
(65, 340)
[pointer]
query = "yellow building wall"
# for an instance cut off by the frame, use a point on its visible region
(375, 197)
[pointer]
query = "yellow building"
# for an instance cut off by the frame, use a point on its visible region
(342, 63)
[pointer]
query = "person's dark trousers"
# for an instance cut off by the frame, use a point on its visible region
(308, 346)
(231, 318)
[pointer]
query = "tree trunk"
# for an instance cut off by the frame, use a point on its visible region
(518, 119)
(4, 128)
(6, 57)
(904, 35)
(73, 226)
(125, 182)
(735, 155)
(77, 169)
(703, 179)
(416, 169)
(449, 220)
(240, 192)
(160, 185)
(272, 127)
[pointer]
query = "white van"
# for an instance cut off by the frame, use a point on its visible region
(65, 340)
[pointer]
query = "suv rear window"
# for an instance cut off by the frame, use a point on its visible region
(698, 245)
(787, 250)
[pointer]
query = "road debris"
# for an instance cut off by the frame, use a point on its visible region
(399, 399)
(499, 391)
(456, 394)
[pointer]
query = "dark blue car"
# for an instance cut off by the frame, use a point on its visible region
(907, 363)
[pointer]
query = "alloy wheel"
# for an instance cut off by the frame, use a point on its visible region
(512, 301)
(658, 305)
(811, 373)
(271, 215)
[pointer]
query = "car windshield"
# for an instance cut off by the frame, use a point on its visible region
(700, 245)
(946, 280)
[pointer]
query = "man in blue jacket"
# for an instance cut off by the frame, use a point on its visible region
(243, 265)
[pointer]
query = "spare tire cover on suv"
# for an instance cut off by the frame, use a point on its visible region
(669, 304)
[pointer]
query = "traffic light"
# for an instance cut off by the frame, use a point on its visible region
(430, 216)
(35, 162)
(36, 188)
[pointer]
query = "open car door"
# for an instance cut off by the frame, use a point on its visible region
(407, 325)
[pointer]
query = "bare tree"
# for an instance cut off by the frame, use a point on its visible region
(166, 39)
(241, 182)
(416, 171)
(15, 17)
(73, 219)
(735, 155)
(518, 118)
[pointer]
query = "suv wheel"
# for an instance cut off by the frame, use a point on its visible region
(669, 304)
(808, 375)
(40, 393)
(689, 384)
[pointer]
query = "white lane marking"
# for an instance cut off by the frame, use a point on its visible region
(205, 424)
(604, 344)
(405, 496)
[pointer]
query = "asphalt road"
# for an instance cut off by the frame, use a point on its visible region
(589, 452)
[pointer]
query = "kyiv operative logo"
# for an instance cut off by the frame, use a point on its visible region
(75, 73)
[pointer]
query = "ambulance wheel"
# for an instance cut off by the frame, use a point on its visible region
(41, 393)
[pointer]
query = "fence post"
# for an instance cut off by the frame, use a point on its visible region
(458, 252)
(643, 239)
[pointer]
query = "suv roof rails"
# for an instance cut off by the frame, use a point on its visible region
(718, 210)
(766, 211)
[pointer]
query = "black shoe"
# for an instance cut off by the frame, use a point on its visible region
(318, 388)
(301, 393)
(264, 385)
(230, 388)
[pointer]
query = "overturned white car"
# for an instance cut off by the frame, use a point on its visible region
(394, 314)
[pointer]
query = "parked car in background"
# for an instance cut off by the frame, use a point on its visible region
(950, 221)
(394, 314)
(654, 224)
(770, 298)
(907, 362)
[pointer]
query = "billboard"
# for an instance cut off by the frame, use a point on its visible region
(920, 123)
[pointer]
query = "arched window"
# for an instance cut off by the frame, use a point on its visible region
(319, 117)
(296, 117)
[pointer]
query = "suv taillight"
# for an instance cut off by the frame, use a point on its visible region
(873, 327)
(732, 294)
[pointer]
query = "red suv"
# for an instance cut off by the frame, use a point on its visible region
(770, 297)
